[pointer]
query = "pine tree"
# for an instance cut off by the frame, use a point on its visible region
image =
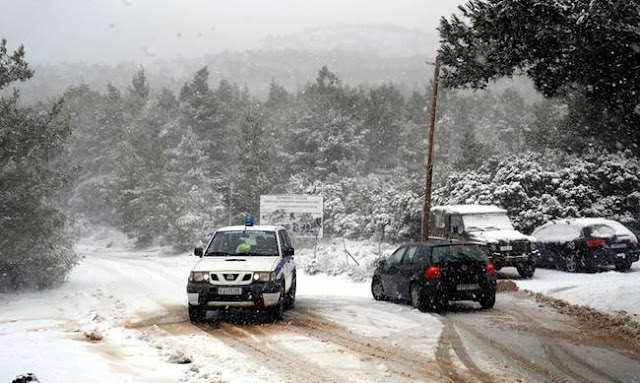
(255, 174)
(382, 117)
(36, 246)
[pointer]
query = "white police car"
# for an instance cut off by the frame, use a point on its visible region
(244, 266)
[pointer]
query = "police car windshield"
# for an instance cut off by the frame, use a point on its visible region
(244, 243)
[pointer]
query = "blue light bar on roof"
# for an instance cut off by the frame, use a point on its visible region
(248, 221)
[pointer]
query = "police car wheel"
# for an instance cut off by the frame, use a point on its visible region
(277, 311)
(197, 314)
(291, 295)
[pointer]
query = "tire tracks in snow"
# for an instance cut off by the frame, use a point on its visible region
(249, 342)
(289, 365)
(250, 339)
(558, 364)
(522, 361)
(448, 341)
(579, 336)
(400, 361)
(554, 351)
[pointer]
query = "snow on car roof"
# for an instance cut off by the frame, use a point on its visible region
(251, 228)
(469, 209)
(578, 223)
(584, 222)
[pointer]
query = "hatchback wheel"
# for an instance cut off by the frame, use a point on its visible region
(417, 298)
(487, 301)
(623, 266)
(572, 262)
(377, 290)
(440, 304)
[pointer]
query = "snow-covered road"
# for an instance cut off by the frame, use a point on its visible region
(136, 302)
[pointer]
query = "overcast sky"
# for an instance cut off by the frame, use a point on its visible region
(109, 31)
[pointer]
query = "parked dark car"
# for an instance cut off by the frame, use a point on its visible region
(579, 244)
(429, 274)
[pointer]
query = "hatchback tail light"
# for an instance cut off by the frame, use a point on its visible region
(594, 242)
(491, 269)
(432, 272)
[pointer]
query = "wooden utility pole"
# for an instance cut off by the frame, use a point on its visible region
(429, 161)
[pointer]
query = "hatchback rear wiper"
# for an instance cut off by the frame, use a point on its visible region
(465, 256)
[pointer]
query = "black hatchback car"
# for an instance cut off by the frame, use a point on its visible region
(584, 244)
(431, 273)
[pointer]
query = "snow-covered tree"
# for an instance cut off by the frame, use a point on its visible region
(580, 48)
(537, 187)
(36, 245)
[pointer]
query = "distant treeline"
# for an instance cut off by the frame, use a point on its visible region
(172, 167)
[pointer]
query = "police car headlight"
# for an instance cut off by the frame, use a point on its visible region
(199, 276)
(493, 247)
(264, 276)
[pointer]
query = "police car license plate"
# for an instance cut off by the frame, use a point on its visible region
(471, 286)
(229, 290)
(618, 245)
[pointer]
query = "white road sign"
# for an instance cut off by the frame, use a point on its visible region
(300, 214)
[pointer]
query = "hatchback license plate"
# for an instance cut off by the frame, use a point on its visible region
(229, 290)
(472, 286)
(618, 245)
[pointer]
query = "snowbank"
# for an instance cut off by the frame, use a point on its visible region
(609, 291)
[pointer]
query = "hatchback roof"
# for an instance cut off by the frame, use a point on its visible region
(437, 241)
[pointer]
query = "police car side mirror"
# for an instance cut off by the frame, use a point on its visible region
(288, 252)
(198, 252)
(381, 263)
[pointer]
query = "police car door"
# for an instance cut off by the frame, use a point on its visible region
(287, 257)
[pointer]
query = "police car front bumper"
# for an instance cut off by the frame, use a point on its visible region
(257, 295)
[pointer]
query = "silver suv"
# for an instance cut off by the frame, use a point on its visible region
(491, 227)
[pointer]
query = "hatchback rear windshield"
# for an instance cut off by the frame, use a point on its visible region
(240, 242)
(599, 231)
(456, 253)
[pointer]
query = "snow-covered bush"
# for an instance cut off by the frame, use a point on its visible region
(382, 207)
(338, 256)
(537, 187)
